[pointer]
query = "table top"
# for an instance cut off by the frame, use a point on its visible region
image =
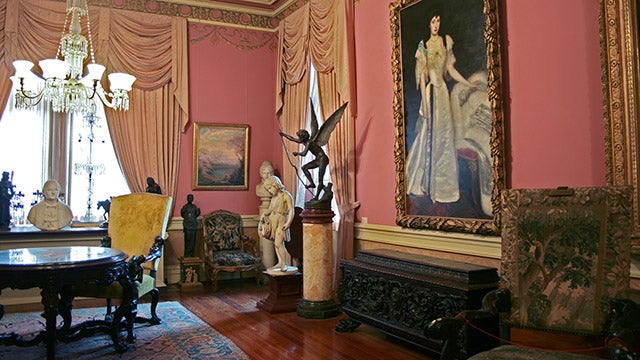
(54, 257)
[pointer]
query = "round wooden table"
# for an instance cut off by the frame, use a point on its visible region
(53, 269)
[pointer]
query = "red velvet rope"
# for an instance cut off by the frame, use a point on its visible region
(606, 342)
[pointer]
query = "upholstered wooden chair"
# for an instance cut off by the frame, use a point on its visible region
(226, 247)
(137, 226)
(564, 270)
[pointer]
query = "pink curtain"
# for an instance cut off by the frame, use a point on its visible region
(151, 47)
(322, 32)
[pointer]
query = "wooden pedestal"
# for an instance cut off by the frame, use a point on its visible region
(189, 273)
(284, 293)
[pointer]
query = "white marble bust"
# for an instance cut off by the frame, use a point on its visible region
(50, 213)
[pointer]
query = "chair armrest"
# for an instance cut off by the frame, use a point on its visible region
(249, 245)
(624, 329)
(155, 252)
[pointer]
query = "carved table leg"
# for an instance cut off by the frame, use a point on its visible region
(50, 301)
(347, 325)
(65, 305)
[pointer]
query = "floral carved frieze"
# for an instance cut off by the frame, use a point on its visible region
(243, 39)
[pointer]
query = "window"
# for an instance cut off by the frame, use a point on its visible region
(302, 193)
(38, 145)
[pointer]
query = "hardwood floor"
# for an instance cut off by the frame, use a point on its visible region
(232, 311)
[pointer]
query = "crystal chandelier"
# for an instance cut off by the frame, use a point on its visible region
(62, 83)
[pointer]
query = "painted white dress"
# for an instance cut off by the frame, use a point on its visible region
(431, 165)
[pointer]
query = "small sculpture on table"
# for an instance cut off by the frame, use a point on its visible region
(275, 222)
(313, 143)
(50, 213)
(105, 205)
(152, 186)
(6, 193)
(189, 213)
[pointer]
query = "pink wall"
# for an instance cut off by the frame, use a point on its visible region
(231, 81)
(555, 124)
(553, 100)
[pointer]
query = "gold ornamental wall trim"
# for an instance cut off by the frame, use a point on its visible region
(619, 43)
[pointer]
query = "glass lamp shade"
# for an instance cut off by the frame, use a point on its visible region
(23, 68)
(121, 81)
(54, 68)
(94, 72)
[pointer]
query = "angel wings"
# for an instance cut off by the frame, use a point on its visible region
(313, 143)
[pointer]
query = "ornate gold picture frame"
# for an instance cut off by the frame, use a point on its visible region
(619, 41)
(220, 156)
(449, 149)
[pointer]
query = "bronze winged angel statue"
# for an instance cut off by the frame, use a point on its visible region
(313, 143)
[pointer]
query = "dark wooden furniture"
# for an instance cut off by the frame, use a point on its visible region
(401, 293)
(138, 226)
(284, 293)
(226, 247)
(54, 269)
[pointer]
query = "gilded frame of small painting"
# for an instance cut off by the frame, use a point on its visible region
(220, 156)
(449, 149)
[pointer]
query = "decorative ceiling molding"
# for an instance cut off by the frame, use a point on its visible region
(239, 38)
(264, 15)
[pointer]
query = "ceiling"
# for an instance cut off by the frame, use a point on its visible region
(253, 6)
(255, 14)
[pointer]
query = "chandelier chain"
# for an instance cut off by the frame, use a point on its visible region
(93, 57)
(64, 28)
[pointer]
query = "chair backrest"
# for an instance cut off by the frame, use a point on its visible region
(135, 220)
(565, 255)
(222, 230)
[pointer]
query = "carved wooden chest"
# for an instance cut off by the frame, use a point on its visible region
(401, 293)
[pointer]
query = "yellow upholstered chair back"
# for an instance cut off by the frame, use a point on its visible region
(135, 220)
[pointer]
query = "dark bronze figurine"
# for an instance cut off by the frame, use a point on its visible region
(313, 143)
(189, 213)
(152, 186)
(6, 193)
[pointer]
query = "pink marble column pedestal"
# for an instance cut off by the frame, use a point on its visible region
(317, 282)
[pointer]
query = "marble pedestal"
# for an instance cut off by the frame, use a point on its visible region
(284, 293)
(317, 291)
(190, 273)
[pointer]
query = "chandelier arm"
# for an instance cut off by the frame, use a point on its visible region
(25, 93)
(103, 96)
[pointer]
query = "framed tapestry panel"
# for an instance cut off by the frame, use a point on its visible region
(561, 257)
(220, 156)
(448, 113)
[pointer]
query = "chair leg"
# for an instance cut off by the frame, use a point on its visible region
(214, 278)
(155, 295)
(108, 316)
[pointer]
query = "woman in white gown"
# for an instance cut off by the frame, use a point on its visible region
(431, 162)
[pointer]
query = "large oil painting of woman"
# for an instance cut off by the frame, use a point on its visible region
(449, 123)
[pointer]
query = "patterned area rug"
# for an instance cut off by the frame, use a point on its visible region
(181, 335)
